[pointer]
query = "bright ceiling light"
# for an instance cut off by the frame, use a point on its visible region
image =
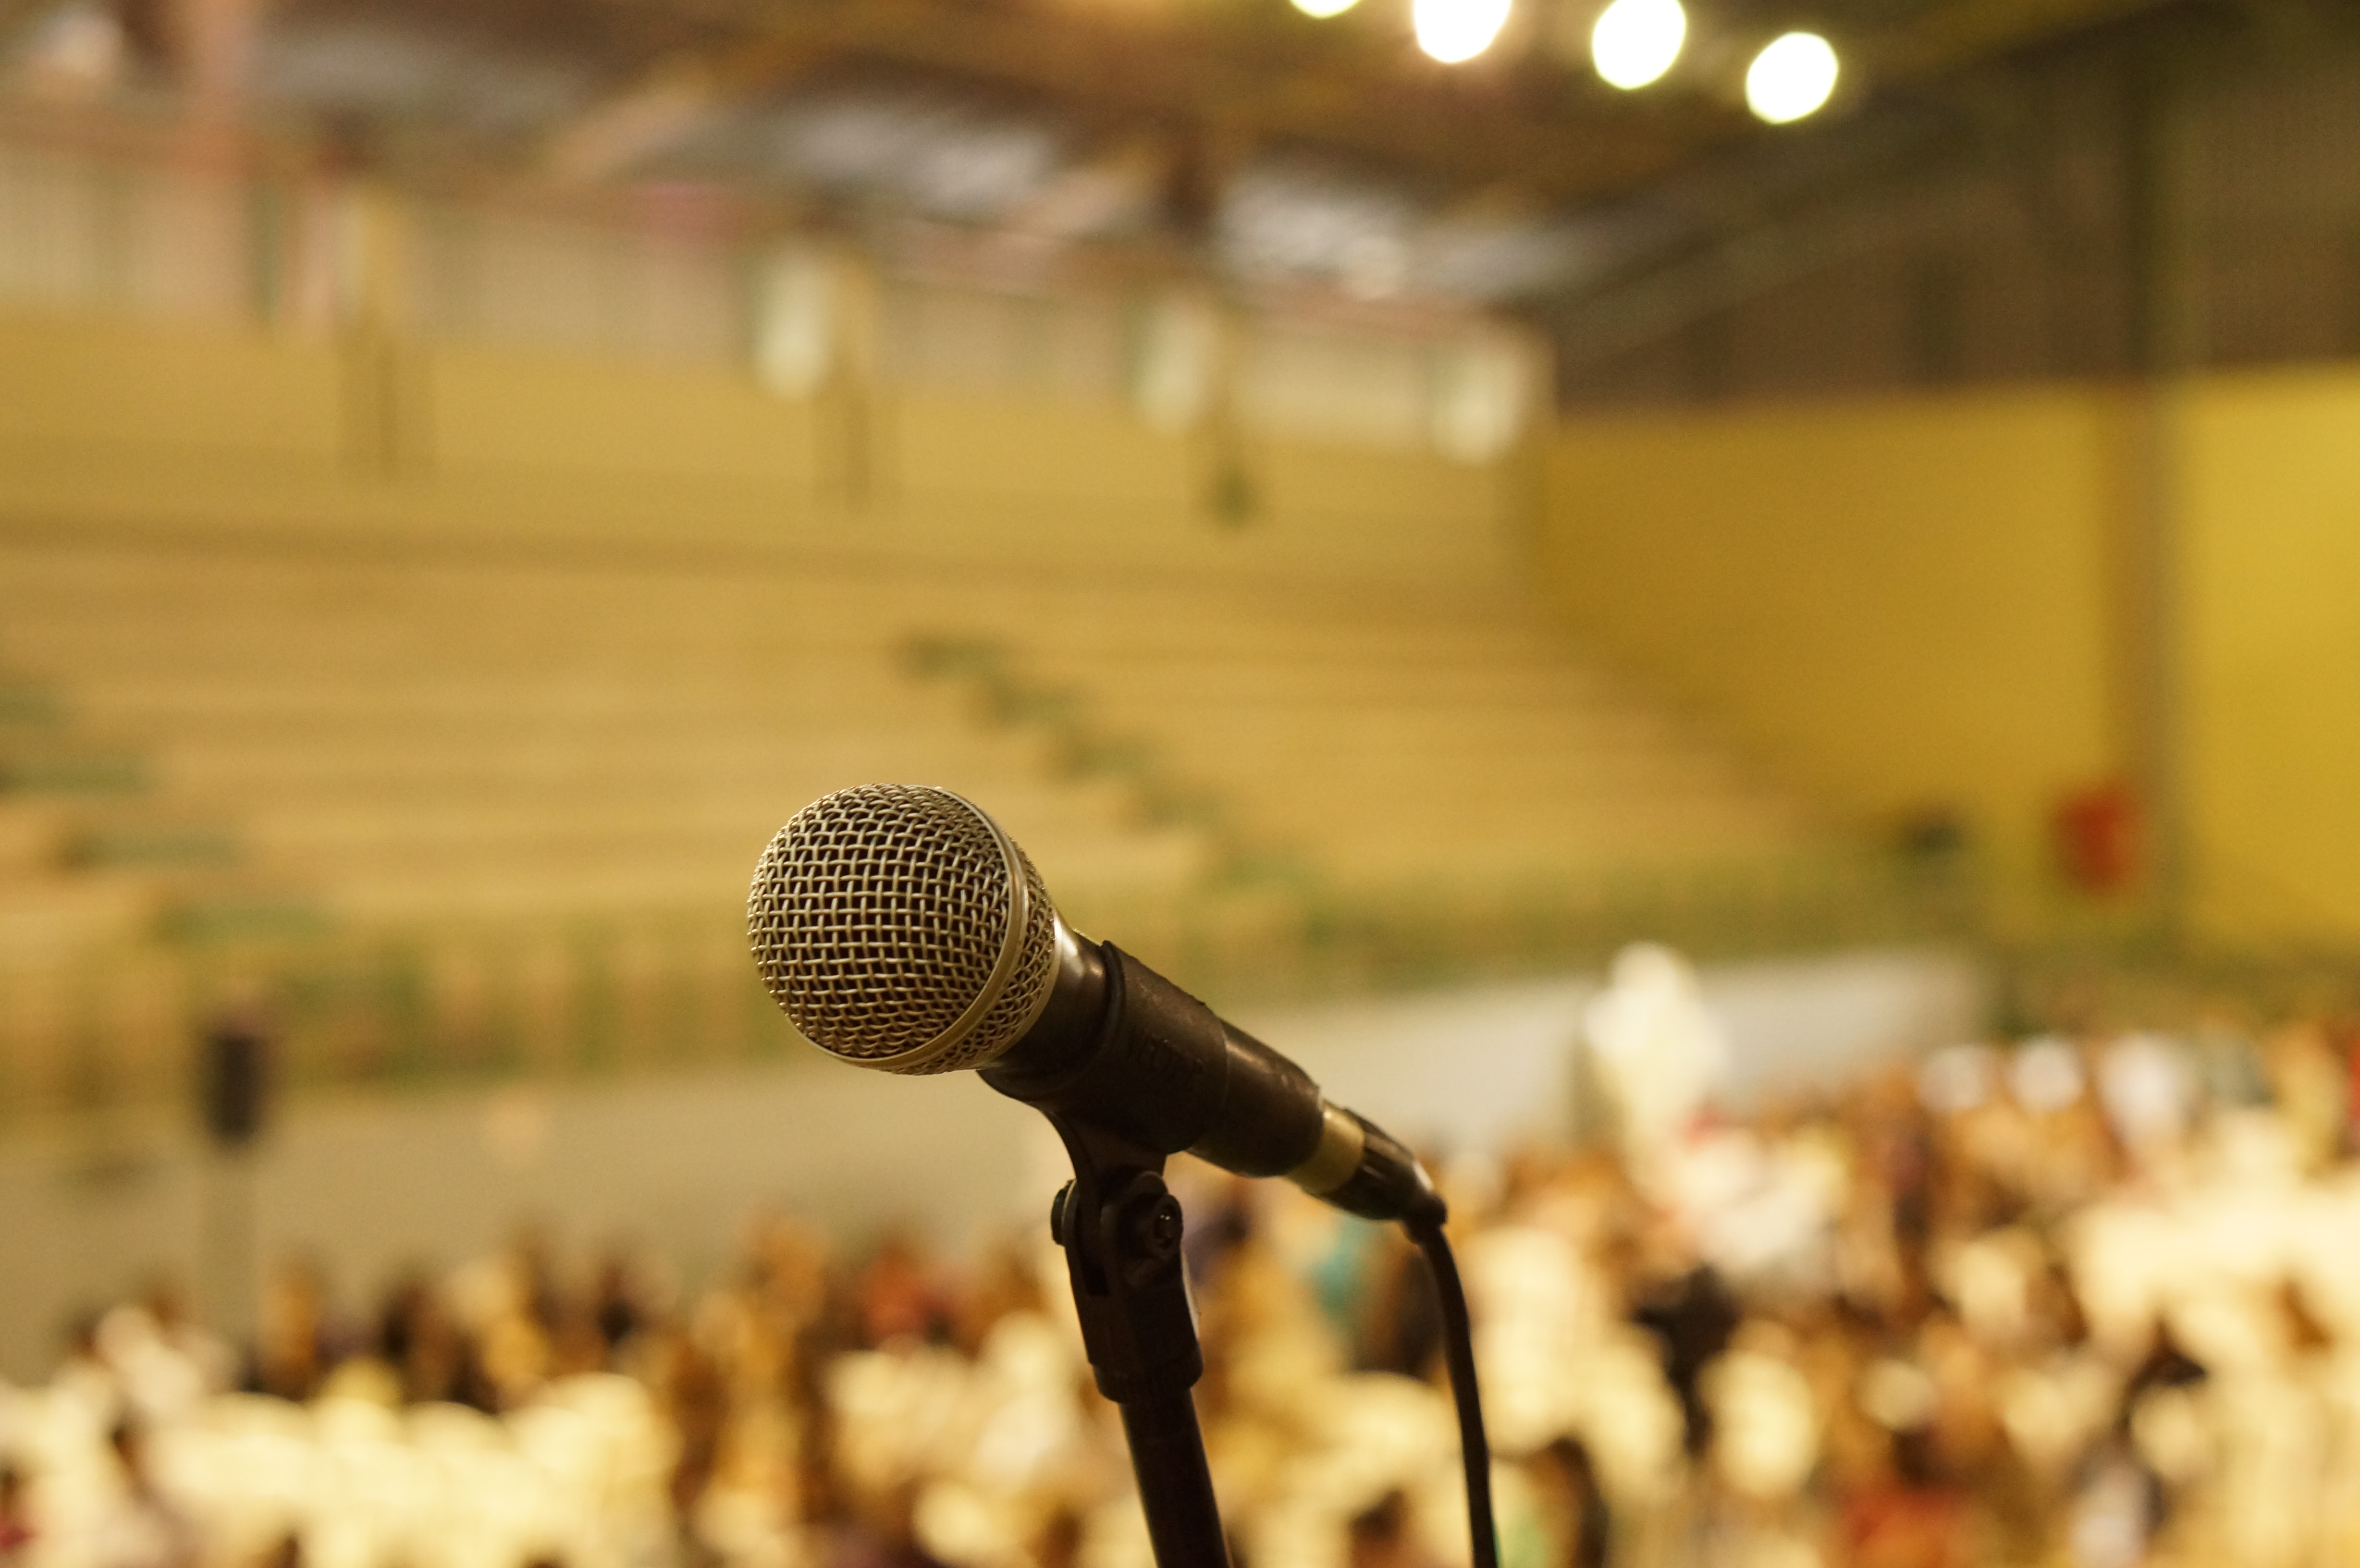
(1456, 30)
(1635, 41)
(1325, 8)
(1791, 77)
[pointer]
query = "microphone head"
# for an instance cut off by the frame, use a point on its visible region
(899, 927)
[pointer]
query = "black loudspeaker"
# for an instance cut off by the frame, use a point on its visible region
(234, 1083)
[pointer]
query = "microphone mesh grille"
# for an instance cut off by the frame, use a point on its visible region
(877, 917)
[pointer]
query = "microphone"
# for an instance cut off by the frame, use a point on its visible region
(899, 928)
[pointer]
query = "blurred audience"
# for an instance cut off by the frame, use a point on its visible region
(2089, 1301)
(15, 1526)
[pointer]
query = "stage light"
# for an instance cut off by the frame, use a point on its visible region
(1456, 30)
(1791, 77)
(1325, 8)
(1635, 41)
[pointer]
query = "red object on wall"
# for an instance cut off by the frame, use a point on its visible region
(2096, 833)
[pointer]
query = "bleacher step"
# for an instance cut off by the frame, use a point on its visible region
(73, 771)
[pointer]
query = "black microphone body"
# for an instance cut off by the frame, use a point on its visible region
(900, 929)
(1122, 1048)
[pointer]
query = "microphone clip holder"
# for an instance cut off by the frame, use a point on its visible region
(1120, 1228)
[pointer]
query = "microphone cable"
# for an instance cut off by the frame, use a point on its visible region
(1458, 1354)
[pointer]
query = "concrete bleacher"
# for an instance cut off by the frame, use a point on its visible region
(458, 754)
(1401, 737)
(413, 741)
(431, 740)
(553, 671)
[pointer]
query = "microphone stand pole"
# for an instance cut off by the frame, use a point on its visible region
(1120, 1226)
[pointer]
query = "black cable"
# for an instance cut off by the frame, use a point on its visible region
(1458, 1354)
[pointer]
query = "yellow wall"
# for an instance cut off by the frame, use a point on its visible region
(564, 415)
(570, 445)
(1085, 486)
(1900, 603)
(163, 425)
(72, 385)
(111, 417)
(1919, 599)
(2268, 480)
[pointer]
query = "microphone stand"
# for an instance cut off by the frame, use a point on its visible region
(1120, 1226)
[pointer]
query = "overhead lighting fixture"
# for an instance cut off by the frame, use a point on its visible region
(1456, 30)
(1322, 9)
(1792, 77)
(1635, 41)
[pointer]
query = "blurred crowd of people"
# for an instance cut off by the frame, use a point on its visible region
(2089, 1301)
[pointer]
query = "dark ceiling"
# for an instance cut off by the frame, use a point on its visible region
(1282, 145)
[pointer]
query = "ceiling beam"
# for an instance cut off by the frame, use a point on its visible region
(1356, 92)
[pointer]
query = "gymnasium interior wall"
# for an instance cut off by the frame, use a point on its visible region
(2270, 562)
(1933, 601)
